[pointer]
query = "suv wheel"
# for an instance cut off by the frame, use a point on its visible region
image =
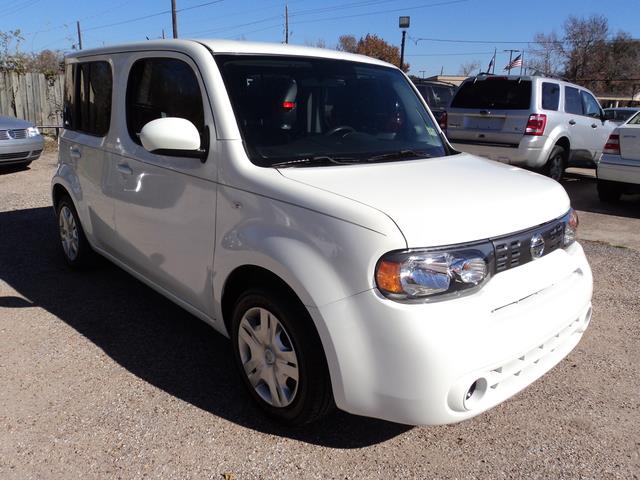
(75, 247)
(556, 163)
(280, 357)
(608, 191)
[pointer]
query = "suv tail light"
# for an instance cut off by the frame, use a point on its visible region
(444, 118)
(612, 147)
(536, 124)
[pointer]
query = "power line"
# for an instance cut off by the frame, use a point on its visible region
(324, 19)
(512, 42)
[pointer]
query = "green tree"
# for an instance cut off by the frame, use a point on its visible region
(372, 46)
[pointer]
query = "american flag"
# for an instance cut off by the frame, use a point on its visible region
(516, 62)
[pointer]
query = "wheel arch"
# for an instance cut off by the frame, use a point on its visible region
(249, 276)
(565, 143)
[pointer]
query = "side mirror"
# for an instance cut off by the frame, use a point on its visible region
(172, 136)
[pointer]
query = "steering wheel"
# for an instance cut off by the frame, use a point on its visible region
(341, 128)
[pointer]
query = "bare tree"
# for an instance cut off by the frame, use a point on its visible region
(546, 56)
(347, 43)
(468, 68)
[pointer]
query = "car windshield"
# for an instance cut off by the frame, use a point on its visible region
(292, 109)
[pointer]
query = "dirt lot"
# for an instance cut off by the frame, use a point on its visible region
(100, 377)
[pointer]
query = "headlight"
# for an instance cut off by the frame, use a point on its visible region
(571, 227)
(423, 274)
(33, 132)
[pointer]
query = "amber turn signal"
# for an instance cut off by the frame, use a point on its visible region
(388, 276)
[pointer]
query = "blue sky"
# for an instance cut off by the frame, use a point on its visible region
(51, 24)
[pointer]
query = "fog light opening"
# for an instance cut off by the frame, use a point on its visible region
(475, 393)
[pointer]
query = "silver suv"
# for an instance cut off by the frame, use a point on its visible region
(533, 122)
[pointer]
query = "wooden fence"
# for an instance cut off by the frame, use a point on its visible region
(32, 96)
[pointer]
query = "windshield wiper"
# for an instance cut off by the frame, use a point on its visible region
(398, 155)
(320, 159)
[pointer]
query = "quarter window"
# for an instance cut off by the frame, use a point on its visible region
(572, 101)
(162, 87)
(550, 96)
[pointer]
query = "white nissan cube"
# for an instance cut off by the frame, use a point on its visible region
(305, 203)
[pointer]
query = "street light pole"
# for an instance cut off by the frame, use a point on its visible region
(404, 24)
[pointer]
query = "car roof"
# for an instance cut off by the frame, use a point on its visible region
(532, 78)
(232, 46)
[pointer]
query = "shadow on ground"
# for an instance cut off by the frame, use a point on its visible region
(584, 196)
(147, 334)
(9, 169)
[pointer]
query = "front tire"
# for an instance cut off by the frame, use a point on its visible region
(280, 357)
(556, 164)
(608, 192)
(75, 247)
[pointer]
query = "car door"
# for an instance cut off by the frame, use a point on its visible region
(87, 112)
(165, 204)
(600, 129)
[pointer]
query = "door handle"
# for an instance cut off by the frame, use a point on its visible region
(124, 169)
(74, 152)
(572, 122)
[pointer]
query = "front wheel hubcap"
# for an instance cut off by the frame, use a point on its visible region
(68, 233)
(268, 357)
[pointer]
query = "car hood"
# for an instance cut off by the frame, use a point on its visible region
(446, 200)
(9, 123)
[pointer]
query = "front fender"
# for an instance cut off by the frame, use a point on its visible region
(322, 258)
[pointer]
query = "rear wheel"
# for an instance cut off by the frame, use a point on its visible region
(280, 358)
(609, 191)
(556, 164)
(75, 247)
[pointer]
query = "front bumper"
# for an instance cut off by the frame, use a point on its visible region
(415, 363)
(21, 151)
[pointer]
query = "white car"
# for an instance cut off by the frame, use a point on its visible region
(619, 167)
(20, 142)
(305, 203)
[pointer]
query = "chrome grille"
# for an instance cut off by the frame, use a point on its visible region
(15, 134)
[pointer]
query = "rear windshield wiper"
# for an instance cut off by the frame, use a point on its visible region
(398, 155)
(307, 161)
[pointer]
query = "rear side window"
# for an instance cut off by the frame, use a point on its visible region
(590, 105)
(572, 101)
(497, 93)
(87, 100)
(550, 96)
(162, 87)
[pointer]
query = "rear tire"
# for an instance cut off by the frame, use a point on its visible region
(280, 357)
(75, 247)
(609, 192)
(556, 164)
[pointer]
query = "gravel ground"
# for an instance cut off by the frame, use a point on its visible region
(100, 377)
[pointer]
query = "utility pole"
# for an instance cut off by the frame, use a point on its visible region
(163, 33)
(174, 18)
(511, 52)
(79, 36)
(286, 23)
(423, 72)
